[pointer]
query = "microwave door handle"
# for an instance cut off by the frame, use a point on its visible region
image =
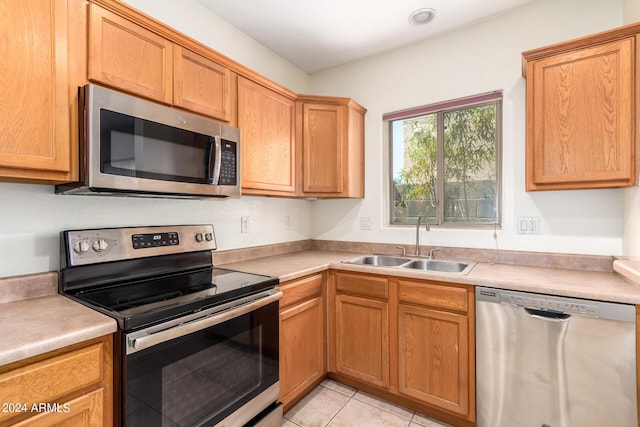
(213, 160)
(218, 161)
(209, 160)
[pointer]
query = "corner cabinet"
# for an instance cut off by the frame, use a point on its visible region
(67, 387)
(331, 131)
(302, 337)
(409, 341)
(42, 45)
(581, 112)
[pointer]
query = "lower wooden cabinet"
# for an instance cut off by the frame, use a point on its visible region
(67, 387)
(433, 357)
(84, 411)
(360, 331)
(302, 337)
(409, 341)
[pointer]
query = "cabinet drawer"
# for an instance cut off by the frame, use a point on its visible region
(447, 297)
(300, 290)
(86, 410)
(49, 380)
(377, 287)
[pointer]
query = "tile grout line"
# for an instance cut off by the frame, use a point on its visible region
(413, 413)
(372, 404)
(342, 407)
(409, 420)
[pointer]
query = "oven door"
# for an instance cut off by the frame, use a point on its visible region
(214, 367)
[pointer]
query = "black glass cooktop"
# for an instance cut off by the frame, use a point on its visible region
(150, 300)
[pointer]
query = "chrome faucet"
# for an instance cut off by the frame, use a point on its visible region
(426, 223)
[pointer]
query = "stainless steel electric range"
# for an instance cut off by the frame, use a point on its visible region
(196, 345)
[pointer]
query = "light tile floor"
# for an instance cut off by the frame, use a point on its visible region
(336, 405)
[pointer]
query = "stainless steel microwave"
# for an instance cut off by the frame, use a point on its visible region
(131, 146)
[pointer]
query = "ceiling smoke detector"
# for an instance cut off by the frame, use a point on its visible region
(422, 16)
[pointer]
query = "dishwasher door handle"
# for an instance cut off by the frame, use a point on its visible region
(552, 316)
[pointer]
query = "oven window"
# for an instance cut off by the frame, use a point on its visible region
(140, 148)
(203, 377)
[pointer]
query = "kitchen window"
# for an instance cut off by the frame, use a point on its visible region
(445, 162)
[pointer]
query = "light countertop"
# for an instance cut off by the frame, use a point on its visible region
(597, 285)
(41, 320)
(37, 320)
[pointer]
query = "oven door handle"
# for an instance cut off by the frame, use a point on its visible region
(155, 338)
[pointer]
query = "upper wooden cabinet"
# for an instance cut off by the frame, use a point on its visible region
(41, 67)
(266, 120)
(331, 131)
(200, 84)
(314, 148)
(581, 113)
(126, 56)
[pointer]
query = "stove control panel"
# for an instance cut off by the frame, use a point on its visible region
(94, 246)
(153, 240)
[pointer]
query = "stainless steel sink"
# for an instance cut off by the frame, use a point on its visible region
(456, 267)
(379, 260)
(410, 263)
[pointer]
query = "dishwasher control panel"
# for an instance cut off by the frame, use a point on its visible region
(547, 304)
(557, 304)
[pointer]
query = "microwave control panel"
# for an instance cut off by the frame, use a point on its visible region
(228, 163)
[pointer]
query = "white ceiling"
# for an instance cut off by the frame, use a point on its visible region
(319, 34)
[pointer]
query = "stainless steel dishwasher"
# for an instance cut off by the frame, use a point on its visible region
(545, 361)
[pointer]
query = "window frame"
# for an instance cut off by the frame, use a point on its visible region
(439, 109)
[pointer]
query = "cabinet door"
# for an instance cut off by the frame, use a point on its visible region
(433, 357)
(362, 339)
(128, 57)
(301, 348)
(35, 137)
(201, 85)
(322, 148)
(266, 120)
(84, 411)
(580, 118)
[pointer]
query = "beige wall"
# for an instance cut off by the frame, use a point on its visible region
(476, 59)
(631, 229)
(631, 12)
(32, 216)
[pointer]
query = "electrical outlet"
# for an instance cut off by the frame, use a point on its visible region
(528, 225)
(244, 224)
(287, 222)
(366, 223)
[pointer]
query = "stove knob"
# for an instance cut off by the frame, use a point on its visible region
(80, 247)
(208, 237)
(100, 245)
(199, 237)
